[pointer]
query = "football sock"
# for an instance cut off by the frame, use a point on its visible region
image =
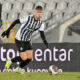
(24, 63)
(16, 59)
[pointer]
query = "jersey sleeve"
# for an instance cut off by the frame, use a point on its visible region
(42, 27)
(23, 19)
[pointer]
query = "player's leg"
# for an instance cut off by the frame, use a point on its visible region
(28, 59)
(8, 64)
(22, 58)
(13, 60)
(22, 63)
(19, 45)
(28, 55)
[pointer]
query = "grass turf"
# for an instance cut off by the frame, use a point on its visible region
(40, 76)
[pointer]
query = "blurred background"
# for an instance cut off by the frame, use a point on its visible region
(61, 18)
(62, 30)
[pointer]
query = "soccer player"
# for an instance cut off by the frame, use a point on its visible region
(29, 24)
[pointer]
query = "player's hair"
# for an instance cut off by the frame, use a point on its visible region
(39, 7)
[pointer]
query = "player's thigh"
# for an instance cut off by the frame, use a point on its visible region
(21, 48)
(29, 50)
(29, 54)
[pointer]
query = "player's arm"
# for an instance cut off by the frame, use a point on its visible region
(7, 32)
(41, 30)
(21, 20)
(43, 38)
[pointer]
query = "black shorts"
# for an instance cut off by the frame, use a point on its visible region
(22, 46)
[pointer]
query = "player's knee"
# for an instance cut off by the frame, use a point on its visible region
(23, 56)
(31, 57)
(30, 54)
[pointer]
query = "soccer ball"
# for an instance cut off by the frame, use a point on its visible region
(53, 69)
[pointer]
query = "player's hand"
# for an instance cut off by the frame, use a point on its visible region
(5, 33)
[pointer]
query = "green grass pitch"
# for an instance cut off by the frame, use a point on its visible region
(40, 76)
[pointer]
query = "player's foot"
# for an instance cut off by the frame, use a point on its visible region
(8, 64)
(19, 71)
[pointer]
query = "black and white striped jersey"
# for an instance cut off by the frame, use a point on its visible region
(28, 26)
